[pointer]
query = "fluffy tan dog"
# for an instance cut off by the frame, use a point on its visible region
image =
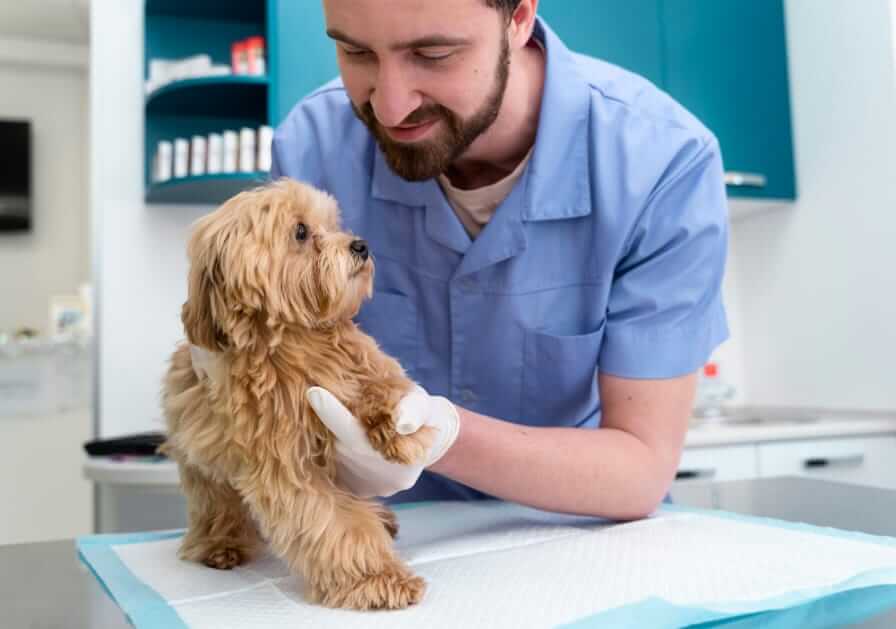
(273, 286)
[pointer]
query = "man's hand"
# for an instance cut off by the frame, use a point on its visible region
(363, 470)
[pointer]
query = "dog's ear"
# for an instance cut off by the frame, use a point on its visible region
(198, 312)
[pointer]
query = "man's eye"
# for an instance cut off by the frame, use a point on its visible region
(355, 52)
(434, 55)
(301, 232)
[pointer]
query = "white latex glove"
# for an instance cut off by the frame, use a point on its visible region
(363, 470)
(206, 364)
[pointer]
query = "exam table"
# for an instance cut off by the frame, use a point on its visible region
(45, 585)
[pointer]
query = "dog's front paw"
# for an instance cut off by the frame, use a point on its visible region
(406, 449)
(394, 588)
(390, 590)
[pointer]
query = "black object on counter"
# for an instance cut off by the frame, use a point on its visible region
(138, 444)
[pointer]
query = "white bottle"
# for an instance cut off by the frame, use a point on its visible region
(712, 392)
(247, 150)
(198, 155)
(181, 158)
(164, 155)
(215, 153)
(231, 152)
(265, 139)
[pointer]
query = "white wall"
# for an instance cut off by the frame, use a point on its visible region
(815, 282)
(140, 250)
(53, 258)
(729, 357)
(62, 21)
(41, 487)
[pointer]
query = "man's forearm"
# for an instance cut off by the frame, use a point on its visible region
(603, 472)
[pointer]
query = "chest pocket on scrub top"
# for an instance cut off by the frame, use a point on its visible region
(391, 319)
(560, 377)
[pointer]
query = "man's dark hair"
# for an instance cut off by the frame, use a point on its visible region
(505, 6)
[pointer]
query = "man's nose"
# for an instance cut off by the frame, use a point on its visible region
(393, 97)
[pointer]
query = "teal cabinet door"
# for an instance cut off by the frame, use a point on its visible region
(624, 32)
(302, 57)
(726, 61)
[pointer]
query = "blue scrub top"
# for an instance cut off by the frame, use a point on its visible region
(607, 256)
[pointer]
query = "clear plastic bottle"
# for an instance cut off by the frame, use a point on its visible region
(712, 392)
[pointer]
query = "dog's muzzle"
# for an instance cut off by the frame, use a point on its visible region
(359, 249)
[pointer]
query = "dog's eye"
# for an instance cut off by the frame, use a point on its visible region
(301, 232)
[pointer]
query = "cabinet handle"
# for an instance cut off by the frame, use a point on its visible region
(745, 180)
(854, 460)
(692, 474)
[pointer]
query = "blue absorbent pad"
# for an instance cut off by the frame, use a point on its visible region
(496, 564)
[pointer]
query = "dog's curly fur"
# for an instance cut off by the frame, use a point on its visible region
(256, 463)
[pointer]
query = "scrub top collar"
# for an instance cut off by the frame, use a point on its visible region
(555, 185)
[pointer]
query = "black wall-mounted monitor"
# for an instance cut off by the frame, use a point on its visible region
(15, 175)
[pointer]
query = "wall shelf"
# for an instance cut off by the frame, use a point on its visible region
(203, 189)
(232, 10)
(231, 95)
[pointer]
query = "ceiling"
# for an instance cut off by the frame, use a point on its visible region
(53, 20)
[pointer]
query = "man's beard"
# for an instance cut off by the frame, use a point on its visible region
(428, 158)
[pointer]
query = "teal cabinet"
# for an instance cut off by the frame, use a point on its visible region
(726, 61)
(624, 32)
(303, 57)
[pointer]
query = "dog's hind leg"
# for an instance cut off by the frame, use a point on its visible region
(220, 532)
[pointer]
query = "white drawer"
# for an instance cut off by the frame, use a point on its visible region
(717, 464)
(864, 460)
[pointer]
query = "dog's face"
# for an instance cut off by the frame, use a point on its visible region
(272, 256)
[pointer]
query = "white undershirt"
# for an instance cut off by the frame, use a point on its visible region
(476, 207)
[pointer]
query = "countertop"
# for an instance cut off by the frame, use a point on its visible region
(45, 585)
(760, 425)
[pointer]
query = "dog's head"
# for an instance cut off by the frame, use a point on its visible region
(272, 257)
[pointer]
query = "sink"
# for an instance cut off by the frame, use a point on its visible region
(764, 421)
(752, 418)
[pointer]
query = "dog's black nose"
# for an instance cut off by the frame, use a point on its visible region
(359, 248)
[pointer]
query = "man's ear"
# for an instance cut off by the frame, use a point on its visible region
(198, 312)
(522, 22)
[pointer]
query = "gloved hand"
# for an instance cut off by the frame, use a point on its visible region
(363, 470)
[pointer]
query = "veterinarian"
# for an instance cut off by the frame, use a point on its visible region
(550, 237)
